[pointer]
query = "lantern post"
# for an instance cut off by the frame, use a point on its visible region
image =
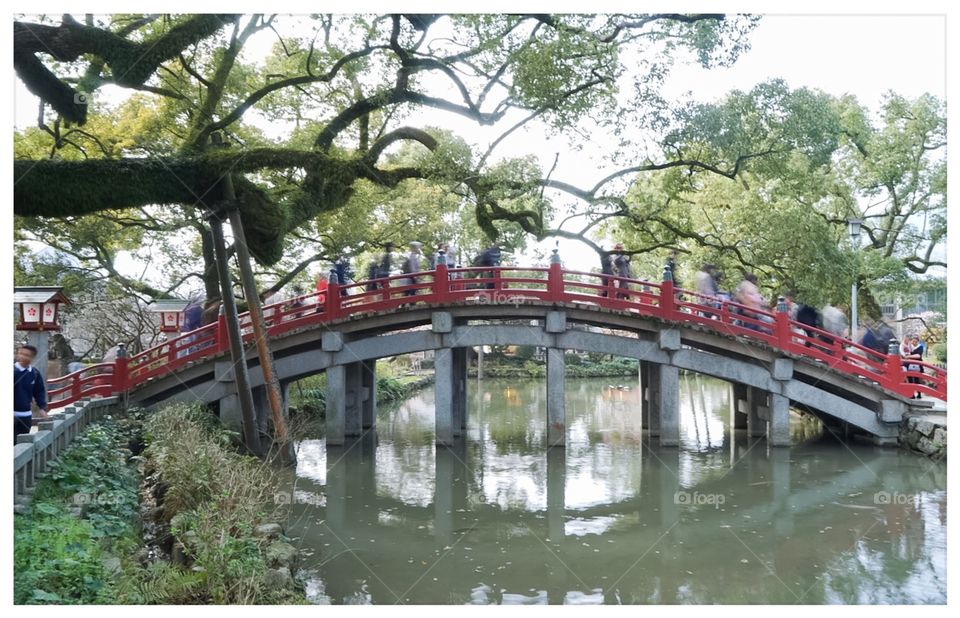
(170, 311)
(38, 314)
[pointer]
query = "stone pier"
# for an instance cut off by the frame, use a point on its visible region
(665, 395)
(351, 400)
(450, 388)
(556, 398)
(738, 406)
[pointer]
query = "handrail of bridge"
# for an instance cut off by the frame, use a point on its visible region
(510, 285)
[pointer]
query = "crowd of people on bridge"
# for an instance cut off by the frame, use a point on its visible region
(744, 300)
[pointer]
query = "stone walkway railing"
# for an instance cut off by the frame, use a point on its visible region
(34, 451)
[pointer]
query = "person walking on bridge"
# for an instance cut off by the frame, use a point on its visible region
(384, 266)
(621, 266)
(748, 295)
(913, 349)
(446, 251)
(606, 270)
(343, 273)
(490, 258)
(28, 387)
(706, 284)
(413, 264)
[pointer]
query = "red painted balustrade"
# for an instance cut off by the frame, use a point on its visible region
(509, 285)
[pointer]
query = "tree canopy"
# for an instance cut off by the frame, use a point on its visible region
(760, 180)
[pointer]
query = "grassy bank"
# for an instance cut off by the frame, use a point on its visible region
(216, 512)
(309, 395)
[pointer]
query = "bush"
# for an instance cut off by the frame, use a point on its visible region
(391, 389)
(940, 352)
(213, 498)
(534, 369)
(526, 352)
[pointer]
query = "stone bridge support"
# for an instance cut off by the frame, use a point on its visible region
(450, 384)
(556, 324)
(768, 410)
(663, 394)
(368, 384)
(738, 406)
(261, 404)
(756, 399)
(349, 403)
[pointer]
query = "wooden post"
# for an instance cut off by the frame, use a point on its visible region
(555, 289)
(782, 318)
(241, 375)
(260, 335)
(441, 282)
(667, 300)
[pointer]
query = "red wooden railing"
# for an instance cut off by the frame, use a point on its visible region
(510, 286)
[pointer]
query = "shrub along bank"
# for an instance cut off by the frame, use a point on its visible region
(217, 513)
(574, 368)
(309, 396)
(191, 521)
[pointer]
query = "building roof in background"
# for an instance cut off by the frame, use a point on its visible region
(38, 294)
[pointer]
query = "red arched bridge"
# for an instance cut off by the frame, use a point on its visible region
(775, 362)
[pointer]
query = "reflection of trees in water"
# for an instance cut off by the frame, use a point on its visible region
(620, 490)
(908, 565)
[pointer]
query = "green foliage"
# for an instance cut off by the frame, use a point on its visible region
(940, 352)
(576, 367)
(391, 389)
(316, 190)
(85, 507)
(57, 558)
(309, 395)
(525, 352)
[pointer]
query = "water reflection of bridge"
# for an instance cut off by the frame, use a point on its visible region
(763, 504)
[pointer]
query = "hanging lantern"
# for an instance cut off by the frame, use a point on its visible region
(171, 312)
(38, 308)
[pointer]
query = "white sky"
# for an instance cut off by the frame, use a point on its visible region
(862, 55)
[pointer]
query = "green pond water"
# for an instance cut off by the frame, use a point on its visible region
(613, 518)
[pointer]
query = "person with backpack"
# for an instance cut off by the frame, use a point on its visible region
(343, 273)
(808, 316)
(915, 350)
(382, 268)
(490, 258)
